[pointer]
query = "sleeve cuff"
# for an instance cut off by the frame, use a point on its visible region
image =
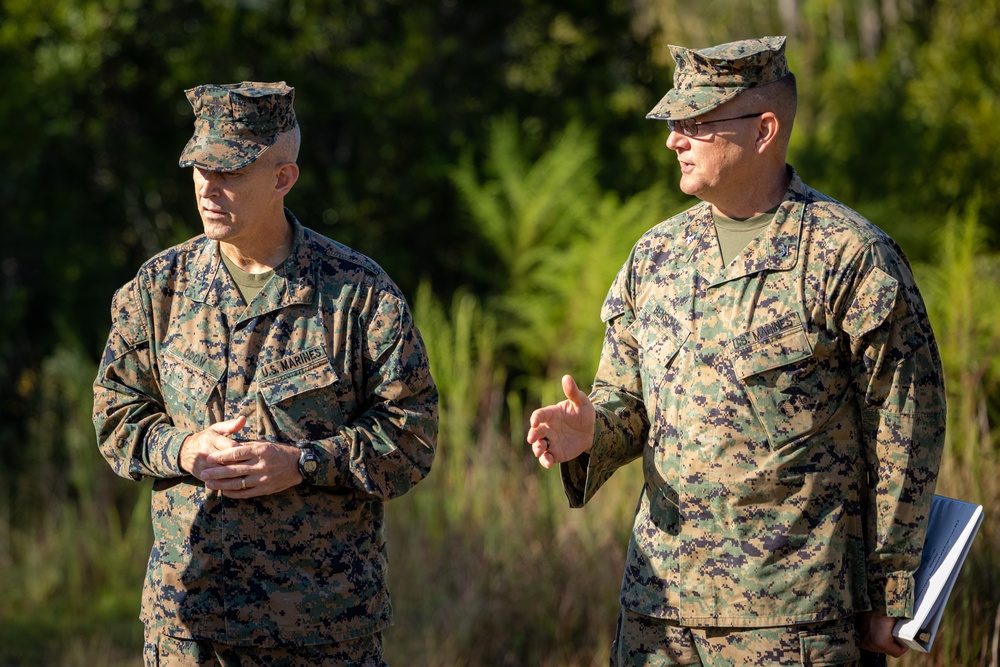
(331, 453)
(894, 596)
(574, 479)
(163, 450)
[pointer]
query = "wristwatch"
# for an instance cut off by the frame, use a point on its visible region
(308, 463)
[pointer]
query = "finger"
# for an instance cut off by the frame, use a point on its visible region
(217, 473)
(540, 447)
(538, 432)
(232, 455)
(238, 487)
(229, 483)
(545, 415)
(547, 460)
(892, 647)
(878, 637)
(229, 426)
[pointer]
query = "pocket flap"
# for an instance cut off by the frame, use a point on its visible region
(659, 335)
(654, 324)
(128, 316)
(192, 381)
(770, 346)
(316, 374)
(873, 303)
(837, 647)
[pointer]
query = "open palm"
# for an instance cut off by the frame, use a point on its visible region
(563, 431)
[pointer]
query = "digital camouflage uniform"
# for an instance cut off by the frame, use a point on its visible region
(788, 408)
(327, 352)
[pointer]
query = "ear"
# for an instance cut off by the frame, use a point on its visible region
(286, 174)
(767, 132)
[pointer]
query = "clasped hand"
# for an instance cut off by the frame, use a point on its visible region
(239, 469)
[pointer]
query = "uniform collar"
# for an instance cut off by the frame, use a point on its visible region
(776, 249)
(293, 281)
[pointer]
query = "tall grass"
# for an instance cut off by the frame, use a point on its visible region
(74, 540)
(488, 566)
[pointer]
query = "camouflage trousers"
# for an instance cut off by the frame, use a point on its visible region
(654, 642)
(163, 651)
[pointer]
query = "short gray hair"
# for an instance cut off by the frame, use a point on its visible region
(779, 97)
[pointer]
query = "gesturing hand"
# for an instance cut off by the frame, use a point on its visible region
(563, 431)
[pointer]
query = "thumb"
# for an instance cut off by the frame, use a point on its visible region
(230, 426)
(572, 391)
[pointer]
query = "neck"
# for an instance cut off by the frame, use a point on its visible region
(269, 247)
(760, 194)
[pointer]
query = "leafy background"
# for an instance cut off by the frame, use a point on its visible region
(494, 158)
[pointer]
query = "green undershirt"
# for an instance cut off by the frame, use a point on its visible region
(735, 235)
(249, 284)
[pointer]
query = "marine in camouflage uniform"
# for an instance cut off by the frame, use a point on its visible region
(324, 363)
(787, 405)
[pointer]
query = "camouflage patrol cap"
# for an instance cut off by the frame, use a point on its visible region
(706, 78)
(234, 123)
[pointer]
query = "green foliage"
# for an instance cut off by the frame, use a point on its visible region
(559, 240)
(963, 293)
(908, 129)
(954, 99)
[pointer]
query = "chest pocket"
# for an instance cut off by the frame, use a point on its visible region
(187, 389)
(305, 401)
(781, 375)
(659, 337)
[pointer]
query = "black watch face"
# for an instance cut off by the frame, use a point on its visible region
(309, 466)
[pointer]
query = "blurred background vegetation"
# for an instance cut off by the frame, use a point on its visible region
(493, 157)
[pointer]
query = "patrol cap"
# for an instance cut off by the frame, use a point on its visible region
(706, 78)
(234, 123)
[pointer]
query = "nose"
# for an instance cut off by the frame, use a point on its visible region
(204, 182)
(675, 140)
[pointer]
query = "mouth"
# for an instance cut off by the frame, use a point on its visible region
(686, 167)
(213, 212)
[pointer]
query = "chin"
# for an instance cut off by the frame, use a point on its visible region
(690, 189)
(216, 232)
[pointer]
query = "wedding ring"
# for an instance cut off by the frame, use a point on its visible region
(243, 484)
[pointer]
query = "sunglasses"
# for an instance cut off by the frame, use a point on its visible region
(689, 126)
